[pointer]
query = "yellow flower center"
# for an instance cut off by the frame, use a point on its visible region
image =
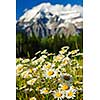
(32, 98)
(58, 58)
(45, 91)
(30, 70)
(48, 66)
(32, 81)
(62, 51)
(65, 62)
(50, 73)
(26, 75)
(65, 87)
(38, 88)
(58, 94)
(19, 69)
(70, 93)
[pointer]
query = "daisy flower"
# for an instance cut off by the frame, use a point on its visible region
(63, 51)
(18, 60)
(58, 58)
(44, 91)
(51, 54)
(65, 47)
(71, 93)
(33, 59)
(32, 70)
(38, 88)
(30, 89)
(50, 73)
(44, 51)
(32, 81)
(37, 52)
(65, 61)
(47, 66)
(19, 68)
(62, 69)
(26, 74)
(64, 86)
(32, 98)
(35, 62)
(26, 89)
(58, 94)
(78, 54)
(44, 56)
(25, 61)
(41, 60)
(73, 52)
(22, 87)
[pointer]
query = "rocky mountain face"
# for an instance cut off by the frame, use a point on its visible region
(46, 19)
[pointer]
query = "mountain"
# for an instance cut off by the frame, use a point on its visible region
(46, 19)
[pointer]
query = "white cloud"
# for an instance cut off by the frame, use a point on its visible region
(54, 9)
(26, 9)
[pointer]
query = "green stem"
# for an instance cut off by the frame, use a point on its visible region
(47, 96)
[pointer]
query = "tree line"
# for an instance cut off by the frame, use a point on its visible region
(27, 45)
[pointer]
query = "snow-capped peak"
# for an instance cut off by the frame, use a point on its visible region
(57, 9)
(48, 19)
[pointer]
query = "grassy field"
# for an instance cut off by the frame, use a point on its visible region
(50, 76)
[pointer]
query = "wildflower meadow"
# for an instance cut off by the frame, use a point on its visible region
(50, 76)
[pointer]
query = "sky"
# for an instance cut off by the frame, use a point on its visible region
(21, 5)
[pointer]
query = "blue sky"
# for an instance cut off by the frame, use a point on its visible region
(23, 4)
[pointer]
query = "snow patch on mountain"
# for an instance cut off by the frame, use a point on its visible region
(64, 12)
